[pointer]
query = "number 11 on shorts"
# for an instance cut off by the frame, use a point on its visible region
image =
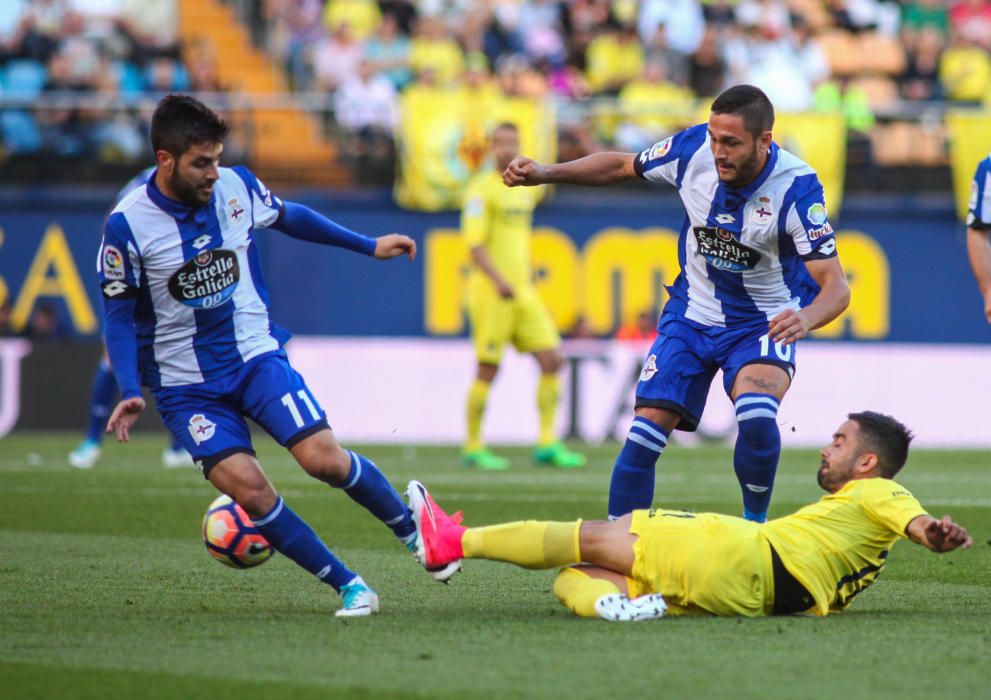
(288, 402)
(782, 351)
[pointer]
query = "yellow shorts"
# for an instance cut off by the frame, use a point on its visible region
(702, 563)
(523, 321)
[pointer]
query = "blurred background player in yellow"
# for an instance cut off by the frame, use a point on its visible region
(503, 305)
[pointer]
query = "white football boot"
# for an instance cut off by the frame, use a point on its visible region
(617, 607)
(358, 599)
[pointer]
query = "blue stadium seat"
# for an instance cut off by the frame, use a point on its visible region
(130, 78)
(19, 133)
(24, 79)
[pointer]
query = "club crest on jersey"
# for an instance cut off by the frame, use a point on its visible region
(722, 251)
(206, 281)
(234, 210)
(113, 263)
(649, 368)
(817, 214)
(763, 213)
(201, 428)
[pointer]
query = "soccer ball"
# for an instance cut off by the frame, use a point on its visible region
(231, 538)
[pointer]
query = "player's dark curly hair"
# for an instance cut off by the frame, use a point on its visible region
(181, 121)
(885, 437)
(751, 104)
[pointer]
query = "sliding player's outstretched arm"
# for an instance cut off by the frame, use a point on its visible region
(595, 170)
(939, 535)
(301, 222)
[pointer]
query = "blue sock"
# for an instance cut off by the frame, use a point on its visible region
(175, 444)
(101, 402)
(368, 487)
(291, 536)
(758, 447)
(632, 484)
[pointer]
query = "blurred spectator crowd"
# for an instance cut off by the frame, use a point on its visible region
(66, 66)
(651, 58)
(638, 66)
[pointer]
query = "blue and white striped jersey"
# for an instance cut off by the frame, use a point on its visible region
(202, 305)
(741, 250)
(979, 207)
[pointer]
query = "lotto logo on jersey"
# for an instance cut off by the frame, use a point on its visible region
(113, 263)
(206, 281)
(201, 428)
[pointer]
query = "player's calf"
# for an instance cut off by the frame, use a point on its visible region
(758, 448)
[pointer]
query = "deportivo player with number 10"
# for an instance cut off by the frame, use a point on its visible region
(759, 270)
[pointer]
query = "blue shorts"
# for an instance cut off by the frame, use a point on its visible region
(208, 418)
(684, 359)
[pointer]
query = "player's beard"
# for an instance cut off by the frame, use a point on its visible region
(187, 192)
(746, 171)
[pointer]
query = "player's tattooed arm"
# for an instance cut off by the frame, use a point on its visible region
(595, 170)
(942, 535)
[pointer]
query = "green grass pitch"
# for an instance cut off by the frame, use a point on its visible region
(106, 591)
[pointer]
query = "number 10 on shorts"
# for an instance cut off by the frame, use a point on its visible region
(782, 351)
(290, 403)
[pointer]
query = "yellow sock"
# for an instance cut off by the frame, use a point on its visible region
(532, 544)
(578, 591)
(478, 396)
(548, 392)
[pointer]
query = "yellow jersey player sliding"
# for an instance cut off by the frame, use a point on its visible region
(655, 562)
(503, 306)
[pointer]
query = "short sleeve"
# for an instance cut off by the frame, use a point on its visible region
(266, 208)
(474, 217)
(118, 265)
(891, 505)
(667, 160)
(807, 220)
(979, 206)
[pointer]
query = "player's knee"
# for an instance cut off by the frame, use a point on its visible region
(487, 371)
(594, 535)
(256, 497)
(551, 362)
(329, 464)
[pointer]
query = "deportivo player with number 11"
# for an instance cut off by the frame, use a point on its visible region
(759, 270)
(187, 316)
